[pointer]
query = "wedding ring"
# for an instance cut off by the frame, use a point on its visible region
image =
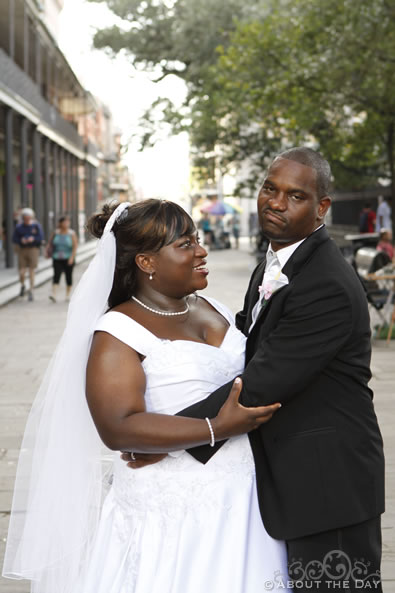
(132, 455)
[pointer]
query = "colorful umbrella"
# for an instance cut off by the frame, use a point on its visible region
(233, 202)
(218, 209)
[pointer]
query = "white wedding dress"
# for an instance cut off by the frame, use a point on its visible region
(180, 526)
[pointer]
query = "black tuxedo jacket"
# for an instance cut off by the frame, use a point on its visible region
(319, 460)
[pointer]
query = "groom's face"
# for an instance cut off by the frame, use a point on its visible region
(288, 205)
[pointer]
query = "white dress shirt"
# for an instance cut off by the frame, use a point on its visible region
(384, 212)
(273, 258)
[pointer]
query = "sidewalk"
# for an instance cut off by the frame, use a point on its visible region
(30, 332)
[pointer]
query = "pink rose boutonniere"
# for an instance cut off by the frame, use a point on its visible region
(272, 281)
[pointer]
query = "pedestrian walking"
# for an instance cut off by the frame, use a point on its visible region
(236, 229)
(383, 215)
(28, 237)
(62, 247)
(367, 219)
(205, 225)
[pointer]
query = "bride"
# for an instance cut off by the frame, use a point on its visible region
(142, 345)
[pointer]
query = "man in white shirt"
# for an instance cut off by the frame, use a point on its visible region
(384, 215)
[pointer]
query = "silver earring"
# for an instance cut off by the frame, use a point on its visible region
(150, 276)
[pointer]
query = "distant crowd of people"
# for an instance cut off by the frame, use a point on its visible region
(379, 222)
(62, 245)
(218, 235)
(371, 221)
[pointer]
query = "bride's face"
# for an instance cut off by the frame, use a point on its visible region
(180, 268)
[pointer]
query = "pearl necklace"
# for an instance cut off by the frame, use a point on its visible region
(166, 313)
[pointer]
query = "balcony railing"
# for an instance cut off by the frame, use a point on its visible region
(16, 81)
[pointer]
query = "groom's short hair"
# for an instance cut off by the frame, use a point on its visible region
(312, 158)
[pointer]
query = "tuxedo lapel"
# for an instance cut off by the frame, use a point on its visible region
(266, 305)
(304, 252)
(254, 293)
(291, 268)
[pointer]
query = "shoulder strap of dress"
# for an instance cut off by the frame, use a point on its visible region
(128, 331)
(222, 309)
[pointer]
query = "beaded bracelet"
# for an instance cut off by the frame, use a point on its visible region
(212, 442)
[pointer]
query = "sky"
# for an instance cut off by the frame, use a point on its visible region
(159, 172)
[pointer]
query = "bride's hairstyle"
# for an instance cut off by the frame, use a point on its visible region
(144, 227)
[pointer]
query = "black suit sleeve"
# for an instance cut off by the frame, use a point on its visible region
(315, 324)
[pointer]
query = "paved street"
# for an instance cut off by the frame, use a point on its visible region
(30, 332)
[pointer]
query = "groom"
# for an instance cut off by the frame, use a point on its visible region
(319, 461)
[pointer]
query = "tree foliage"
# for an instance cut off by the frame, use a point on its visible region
(315, 72)
(275, 74)
(166, 37)
(176, 37)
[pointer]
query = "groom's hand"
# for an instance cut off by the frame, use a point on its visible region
(141, 459)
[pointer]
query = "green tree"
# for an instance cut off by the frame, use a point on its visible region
(312, 71)
(171, 37)
(273, 74)
(175, 37)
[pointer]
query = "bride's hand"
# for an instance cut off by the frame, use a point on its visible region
(141, 459)
(234, 419)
